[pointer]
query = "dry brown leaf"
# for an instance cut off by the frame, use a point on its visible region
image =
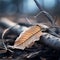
(28, 37)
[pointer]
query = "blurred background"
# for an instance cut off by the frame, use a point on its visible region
(18, 10)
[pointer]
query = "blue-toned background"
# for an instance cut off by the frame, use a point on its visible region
(11, 7)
